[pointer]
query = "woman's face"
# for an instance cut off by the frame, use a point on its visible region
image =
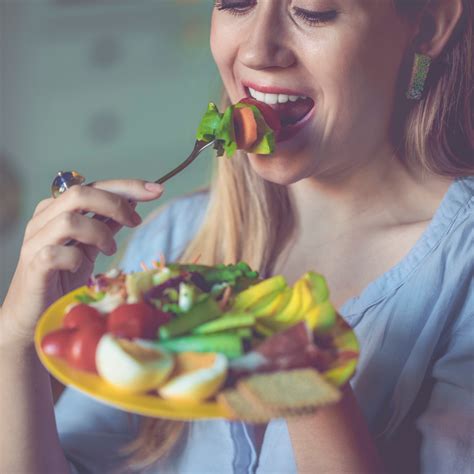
(344, 56)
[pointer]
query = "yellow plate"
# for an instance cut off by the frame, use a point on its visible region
(151, 405)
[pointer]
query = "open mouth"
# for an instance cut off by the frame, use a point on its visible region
(291, 108)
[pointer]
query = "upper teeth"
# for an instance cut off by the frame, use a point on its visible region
(272, 99)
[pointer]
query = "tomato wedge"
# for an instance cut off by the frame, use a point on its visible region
(82, 315)
(271, 116)
(138, 320)
(81, 353)
(57, 343)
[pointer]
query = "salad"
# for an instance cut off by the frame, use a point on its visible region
(194, 333)
(249, 125)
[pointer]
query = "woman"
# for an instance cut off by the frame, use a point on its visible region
(371, 189)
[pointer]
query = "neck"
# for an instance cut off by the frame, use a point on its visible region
(381, 192)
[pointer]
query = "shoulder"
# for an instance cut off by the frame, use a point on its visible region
(446, 249)
(456, 250)
(431, 291)
(462, 201)
(443, 285)
(463, 198)
(166, 231)
(447, 274)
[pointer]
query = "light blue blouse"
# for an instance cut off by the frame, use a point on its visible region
(415, 381)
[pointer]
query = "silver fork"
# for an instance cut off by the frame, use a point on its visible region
(199, 147)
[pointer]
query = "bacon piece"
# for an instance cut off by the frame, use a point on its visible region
(292, 348)
(293, 339)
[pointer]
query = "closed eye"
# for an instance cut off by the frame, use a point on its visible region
(315, 18)
(235, 7)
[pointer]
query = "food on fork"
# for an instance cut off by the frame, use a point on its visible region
(248, 125)
(193, 333)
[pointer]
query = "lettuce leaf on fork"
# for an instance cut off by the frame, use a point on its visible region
(210, 122)
(220, 127)
(225, 133)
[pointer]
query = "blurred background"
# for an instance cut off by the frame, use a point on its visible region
(110, 88)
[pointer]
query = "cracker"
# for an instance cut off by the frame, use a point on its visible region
(289, 392)
(287, 412)
(241, 408)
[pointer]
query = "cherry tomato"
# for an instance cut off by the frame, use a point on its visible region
(57, 343)
(269, 114)
(82, 315)
(81, 353)
(136, 320)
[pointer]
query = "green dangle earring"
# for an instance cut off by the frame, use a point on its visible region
(419, 73)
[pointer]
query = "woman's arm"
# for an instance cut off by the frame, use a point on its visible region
(29, 442)
(28, 437)
(335, 439)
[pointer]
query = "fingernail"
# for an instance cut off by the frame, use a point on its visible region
(136, 219)
(153, 187)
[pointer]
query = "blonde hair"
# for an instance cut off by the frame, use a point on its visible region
(252, 220)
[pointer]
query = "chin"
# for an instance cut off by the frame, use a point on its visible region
(280, 169)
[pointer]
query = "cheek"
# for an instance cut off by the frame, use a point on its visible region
(215, 38)
(224, 51)
(358, 79)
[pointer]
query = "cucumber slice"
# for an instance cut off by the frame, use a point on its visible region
(228, 344)
(229, 321)
(243, 333)
(200, 313)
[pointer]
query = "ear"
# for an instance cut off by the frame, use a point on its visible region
(436, 25)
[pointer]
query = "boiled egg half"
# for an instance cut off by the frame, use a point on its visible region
(131, 366)
(197, 376)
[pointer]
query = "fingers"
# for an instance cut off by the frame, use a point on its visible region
(98, 201)
(70, 225)
(132, 189)
(42, 205)
(83, 199)
(34, 287)
(90, 251)
(56, 257)
(39, 277)
(113, 199)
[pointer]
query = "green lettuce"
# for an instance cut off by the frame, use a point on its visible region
(220, 127)
(209, 124)
(225, 132)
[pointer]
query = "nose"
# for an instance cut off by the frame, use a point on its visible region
(267, 44)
